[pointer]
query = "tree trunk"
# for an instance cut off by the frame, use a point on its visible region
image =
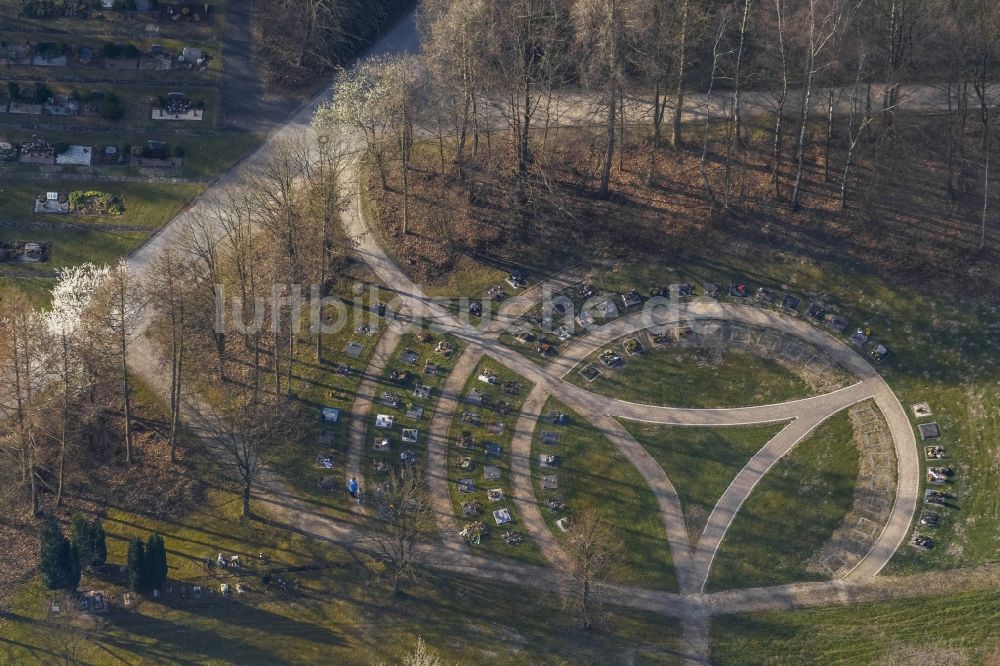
(738, 79)
(406, 193)
(829, 137)
(777, 148)
(33, 480)
(986, 193)
(675, 138)
(175, 411)
(801, 147)
(621, 130)
(609, 152)
(65, 418)
(950, 158)
(246, 500)
(654, 145)
(782, 96)
(522, 140)
(126, 394)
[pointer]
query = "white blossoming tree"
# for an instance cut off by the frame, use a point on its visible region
(71, 297)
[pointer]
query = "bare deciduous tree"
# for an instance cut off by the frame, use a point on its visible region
(21, 380)
(244, 429)
(403, 515)
(71, 297)
(602, 33)
(169, 289)
(593, 550)
(824, 20)
(116, 316)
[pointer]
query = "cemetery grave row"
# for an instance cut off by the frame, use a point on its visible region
(185, 13)
(109, 56)
(582, 307)
(479, 460)
(399, 422)
(939, 476)
(68, 102)
(39, 152)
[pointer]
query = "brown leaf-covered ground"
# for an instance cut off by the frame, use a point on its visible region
(900, 220)
(151, 485)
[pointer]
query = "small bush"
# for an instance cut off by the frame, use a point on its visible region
(42, 93)
(61, 148)
(111, 107)
(177, 151)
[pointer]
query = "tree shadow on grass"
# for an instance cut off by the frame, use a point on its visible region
(171, 640)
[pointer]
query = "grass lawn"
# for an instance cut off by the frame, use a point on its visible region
(147, 205)
(701, 462)
(70, 248)
(683, 378)
(482, 434)
(592, 472)
(961, 628)
(791, 513)
(338, 611)
(38, 290)
(404, 388)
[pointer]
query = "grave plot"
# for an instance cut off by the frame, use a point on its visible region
(406, 394)
(701, 462)
(572, 312)
(24, 252)
(178, 106)
(96, 202)
(479, 462)
(589, 471)
(794, 509)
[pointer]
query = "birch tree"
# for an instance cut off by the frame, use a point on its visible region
(118, 311)
(823, 22)
(602, 34)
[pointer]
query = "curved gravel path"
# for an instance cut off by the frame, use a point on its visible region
(437, 446)
(521, 485)
(364, 398)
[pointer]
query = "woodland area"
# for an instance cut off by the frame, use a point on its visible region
(860, 129)
(299, 42)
